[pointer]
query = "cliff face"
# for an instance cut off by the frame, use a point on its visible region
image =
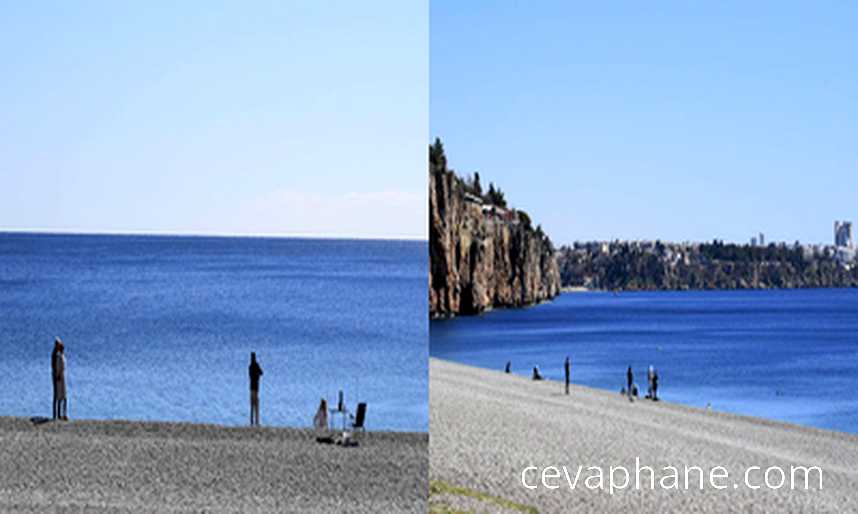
(482, 256)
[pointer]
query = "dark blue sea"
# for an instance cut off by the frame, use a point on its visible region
(161, 328)
(789, 355)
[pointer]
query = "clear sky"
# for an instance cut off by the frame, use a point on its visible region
(295, 117)
(644, 120)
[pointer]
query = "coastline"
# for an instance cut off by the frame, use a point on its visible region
(130, 466)
(488, 426)
(576, 289)
(498, 308)
(582, 289)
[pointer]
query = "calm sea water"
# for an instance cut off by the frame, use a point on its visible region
(790, 355)
(161, 328)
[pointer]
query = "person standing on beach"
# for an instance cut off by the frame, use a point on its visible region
(654, 385)
(508, 365)
(630, 378)
(55, 404)
(255, 372)
(58, 374)
(567, 365)
(649, 375)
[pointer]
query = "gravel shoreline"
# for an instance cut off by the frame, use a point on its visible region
(124, 466)
(487, 427)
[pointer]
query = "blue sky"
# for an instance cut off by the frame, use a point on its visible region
(215, 117)
(645, 120)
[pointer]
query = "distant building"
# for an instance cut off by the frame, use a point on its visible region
(494, 212)
(473, 199)
(753, 241)
(762, 239)
(843, 234)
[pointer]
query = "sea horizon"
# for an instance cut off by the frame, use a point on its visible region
(146, 233)
(160, 328)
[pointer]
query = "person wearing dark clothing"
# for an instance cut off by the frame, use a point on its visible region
(54, 383)
(655, 386)
(536, 373)
(508, 365)
(58, 377)
(255, 372)
(566, 367)
(630, 378)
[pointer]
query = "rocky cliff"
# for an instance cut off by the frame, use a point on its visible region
(482, 254)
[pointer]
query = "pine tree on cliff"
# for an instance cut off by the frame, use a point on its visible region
(437, 159)
(478, 188)
(495, 196)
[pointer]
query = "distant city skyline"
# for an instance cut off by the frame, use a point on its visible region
(671, 121)
(291, 118)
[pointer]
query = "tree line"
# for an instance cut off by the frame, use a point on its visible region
(716, 265)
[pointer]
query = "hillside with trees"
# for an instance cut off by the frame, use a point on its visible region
(636, 266)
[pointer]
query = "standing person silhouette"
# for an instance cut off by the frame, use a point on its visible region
(655, 386)
(567, 365)
(58, 375)
(508, 365)
(649, 376)
(630, 378)
(255, 372)
(55, 405)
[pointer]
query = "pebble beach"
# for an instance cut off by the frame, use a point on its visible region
(487, 427)
(124, 466)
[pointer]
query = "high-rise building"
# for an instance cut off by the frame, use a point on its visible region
(762, 239)
(843, 233)
(753, 241)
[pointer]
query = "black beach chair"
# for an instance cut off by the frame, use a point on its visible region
(359, 418)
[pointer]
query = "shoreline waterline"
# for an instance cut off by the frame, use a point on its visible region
(559, 385)
(790, 355)
(44, 420)
(539, 428)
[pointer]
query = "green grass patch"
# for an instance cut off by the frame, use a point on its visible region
(439, 487)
